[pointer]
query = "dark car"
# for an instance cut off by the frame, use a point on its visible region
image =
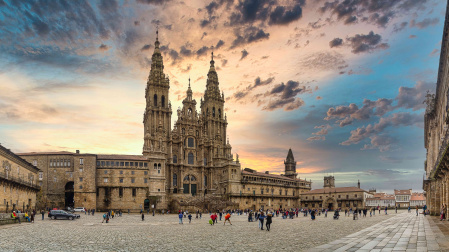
(61, 214)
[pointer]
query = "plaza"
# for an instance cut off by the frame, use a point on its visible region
(399, 231)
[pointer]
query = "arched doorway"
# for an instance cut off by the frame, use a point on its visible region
(146, 204)
(331, 204)
(69, 194)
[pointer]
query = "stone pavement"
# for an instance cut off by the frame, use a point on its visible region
(163, 233)
(404, 232)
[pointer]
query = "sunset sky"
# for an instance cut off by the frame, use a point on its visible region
(342, 83)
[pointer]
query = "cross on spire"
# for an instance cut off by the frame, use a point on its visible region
(157, 32)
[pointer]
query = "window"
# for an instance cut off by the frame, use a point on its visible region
(339, 196)
(321, 197)
(126, 163)
(65, 162)
(158, 190)
(35, 162)
(213, 112)
(81, 169)
(145, 164)
(219, 113)
(186, 188)
(145, 173)
(183, 131)
(286, 192)
(121, 172)
(145, 180)
(155, 100)
(98, 163)
(81, 179)
(159, 166)
(155, 166)
(120, 192)
(261, 191)
(107, 163)
(102, 163)
(121, 180)
(81, 187)
(40, 183)
(190, 158)
(175, 179)
(175, 159)
(205, 181)
(81, 161)
(41, 175)
(159, 171)
(133, 180)
(140, 164)
(131, 164)
(106, 172)
(163, 101)
(132, 172)
(105, 180)
(355, 195)
(190, 142)
(134, 192)
(51, 163)
(205, 161)
(122, 164)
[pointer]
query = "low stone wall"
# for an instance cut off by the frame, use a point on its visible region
(5, 218)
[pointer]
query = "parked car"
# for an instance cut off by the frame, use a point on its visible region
(80, 209)
(70, 209)
(61, 214)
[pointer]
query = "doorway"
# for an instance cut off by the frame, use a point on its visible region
(146, 204)
(69, 194)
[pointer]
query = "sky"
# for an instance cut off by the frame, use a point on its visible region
(342, 83)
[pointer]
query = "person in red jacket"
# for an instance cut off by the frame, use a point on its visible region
(213, 218)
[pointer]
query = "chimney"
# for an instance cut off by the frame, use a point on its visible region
(358, 184)
(77, 151)
(267, 172)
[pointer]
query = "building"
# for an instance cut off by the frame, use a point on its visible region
(188, 166)
(19, 181)
(436, 135)
(402, 197)
(381, 200)
(332, 197)
(417, 199)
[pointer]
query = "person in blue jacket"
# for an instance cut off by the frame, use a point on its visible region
(180, 218)
(261, 218)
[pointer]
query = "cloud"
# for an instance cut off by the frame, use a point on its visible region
(250, 35)
(244, 54)
(318, 98)
(400, 27)
(413, 97)
(434, 52)
(287, 104)
(316, 138)
(224, 62)
(220, 43)
(154, 2)
(335, 42)
(424, 23)
(412, 36)
(324, 61)
(146, 47)
(282, 16)
(257, 83)
(324, 129)
(103, 47)
(361, 43)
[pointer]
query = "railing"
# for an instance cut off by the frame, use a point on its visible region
(19, 181)
(262, 195)
(273, 183)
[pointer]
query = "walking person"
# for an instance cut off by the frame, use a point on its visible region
(190, 218)
(261, 219)
(269, 220)
(227, 218)
(396, 209)
(312, 214)
(386, 210)
(417, 210)
(180, 217)
(32, 216)
(43, 214)
(143, 216)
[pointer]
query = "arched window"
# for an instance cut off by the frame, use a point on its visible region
(205, 180)
(183, 131)
(155, 100)
(155, 166)
(219, 113)
(205, 161)
(163, 101)
(190, 142)
(175, 159)
(190, 158)
(207, 112)
(192, 178)
(175, 179)
(158, 166)
(186, 178)
(189, 112)
(213, 112)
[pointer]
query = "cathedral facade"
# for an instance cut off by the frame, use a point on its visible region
(189, 166)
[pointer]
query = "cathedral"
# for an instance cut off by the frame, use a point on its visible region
(187, 166)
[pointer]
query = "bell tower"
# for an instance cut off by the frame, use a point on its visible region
(290, 165)
(157, 116)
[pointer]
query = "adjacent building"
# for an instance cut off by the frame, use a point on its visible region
(436, 135)
(18, 182)
(417, 199)
(332, 197)
(402, 197)
(188, 166)
(381, 200)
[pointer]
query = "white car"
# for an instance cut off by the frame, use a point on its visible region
(79, 209)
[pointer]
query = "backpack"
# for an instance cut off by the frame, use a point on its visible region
(104, 216)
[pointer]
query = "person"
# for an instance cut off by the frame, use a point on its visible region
(32, 216)
(190, 218)
(354, 215)
(88, 211)
(112, 214)
(396, 209)
(312, 215)
(220, 215)
(269, 221)
(153, 212)
(43, 214)
(143, 216)
(93, 212)
(104, 218)
(378, 208)
(261, 219)
(227, 218)
(443, 212)
(14, 216)
(409, 209)
(386, 210)
(180, 217)
(424, 208)
(213, 217)
(417, 210)
(26, 217)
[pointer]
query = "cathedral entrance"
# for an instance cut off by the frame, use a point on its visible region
(69, 194)
(146, 204)
(331, 206)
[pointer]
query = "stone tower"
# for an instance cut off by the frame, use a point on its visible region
(290, 165)
(157, 116)
(213, 118)
(329, 182)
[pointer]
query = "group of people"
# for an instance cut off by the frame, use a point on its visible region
(110, 215)
(29, 216)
